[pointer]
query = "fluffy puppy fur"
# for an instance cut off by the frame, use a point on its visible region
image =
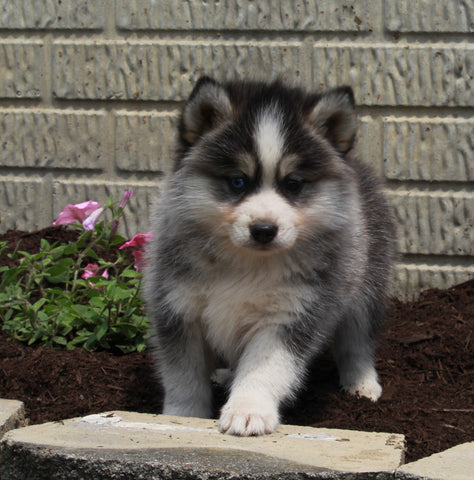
(271, 241)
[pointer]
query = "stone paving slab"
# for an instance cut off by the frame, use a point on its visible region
(456, 463)
(12, 415)
(130, 445)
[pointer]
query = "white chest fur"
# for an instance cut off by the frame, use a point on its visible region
(232, 307)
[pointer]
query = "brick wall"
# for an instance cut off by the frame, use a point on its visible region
(90, 90)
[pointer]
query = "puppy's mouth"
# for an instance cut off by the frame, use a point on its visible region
(250, 245)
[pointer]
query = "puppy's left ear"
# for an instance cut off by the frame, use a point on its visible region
(334, 117)
(207, 107)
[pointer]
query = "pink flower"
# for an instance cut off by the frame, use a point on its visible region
(139, 260)
(138, 241)
(92, 270)
(78, 213)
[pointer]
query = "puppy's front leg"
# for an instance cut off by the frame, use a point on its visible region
(266, 374)
(184, 366)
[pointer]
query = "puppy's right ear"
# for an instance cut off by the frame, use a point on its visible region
(335, 117)
(207, 107)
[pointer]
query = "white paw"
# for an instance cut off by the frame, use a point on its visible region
(247, 417)
(368, 387)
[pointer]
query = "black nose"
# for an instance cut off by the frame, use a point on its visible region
(263, 232)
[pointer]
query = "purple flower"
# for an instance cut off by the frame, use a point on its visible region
(127, 195)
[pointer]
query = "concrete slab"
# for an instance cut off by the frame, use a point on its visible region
(130, 445)
(456, 463)
(12, 415)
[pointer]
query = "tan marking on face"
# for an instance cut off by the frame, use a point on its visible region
(247, 164)
(300, 219)
(228, 214)
(287, 165)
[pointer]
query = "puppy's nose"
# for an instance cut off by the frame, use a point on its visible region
(263, 232)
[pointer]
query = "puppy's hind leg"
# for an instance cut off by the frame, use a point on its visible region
(353, 349)
(184, 367)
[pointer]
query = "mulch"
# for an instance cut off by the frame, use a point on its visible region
(425, 361)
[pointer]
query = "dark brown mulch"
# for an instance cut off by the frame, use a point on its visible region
(426, 363)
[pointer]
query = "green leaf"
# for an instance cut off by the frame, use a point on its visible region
(10, 275)
(4, 298)
(91, 253)
(98, 302)
(122, 294)
(101, 330)
(45, 246)
(3, 245)
(80, 310)
(59, 340)
(70, 249)
(118, 240)
(91, 341)
(130, 273)
(60, 272)
(37, 305)
(36, 336)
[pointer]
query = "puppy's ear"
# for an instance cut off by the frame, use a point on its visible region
(207, 107)
(334, 116)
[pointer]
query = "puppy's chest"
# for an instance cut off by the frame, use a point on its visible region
(231, 308)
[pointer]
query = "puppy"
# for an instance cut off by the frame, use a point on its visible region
(271, 241)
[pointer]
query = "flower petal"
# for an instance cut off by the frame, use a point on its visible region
(89, 222)
(139, 257)
(76, 213)
(139, 240)
(91, 270)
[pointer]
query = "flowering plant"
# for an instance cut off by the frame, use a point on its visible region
(85, 292)
(139, 241)
(87, 213)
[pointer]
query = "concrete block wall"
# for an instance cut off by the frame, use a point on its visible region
(90, 91)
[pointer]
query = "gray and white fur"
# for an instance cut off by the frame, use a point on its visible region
(271, 242)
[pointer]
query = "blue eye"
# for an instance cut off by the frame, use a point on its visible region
(238, 184)
(292, 185)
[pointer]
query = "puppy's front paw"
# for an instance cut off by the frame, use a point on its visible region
(247, 417)
(368, 387)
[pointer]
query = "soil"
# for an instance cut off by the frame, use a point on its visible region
(425, 361)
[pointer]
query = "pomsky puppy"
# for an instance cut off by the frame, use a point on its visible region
(271, 242)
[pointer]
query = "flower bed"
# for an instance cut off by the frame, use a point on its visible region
(83, 291)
